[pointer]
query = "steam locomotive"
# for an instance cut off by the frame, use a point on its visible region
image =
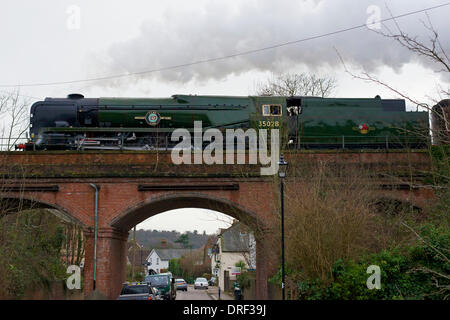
(79, 123)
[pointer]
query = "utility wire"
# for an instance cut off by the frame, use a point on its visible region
(284, 44)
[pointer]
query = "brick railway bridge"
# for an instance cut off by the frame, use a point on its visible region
(133, 186)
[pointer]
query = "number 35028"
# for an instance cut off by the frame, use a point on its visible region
(269, 123)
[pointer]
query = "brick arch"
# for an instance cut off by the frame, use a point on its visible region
(36, 202)
(62, 180)
(158, 204)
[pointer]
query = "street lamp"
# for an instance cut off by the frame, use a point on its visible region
(282, 164)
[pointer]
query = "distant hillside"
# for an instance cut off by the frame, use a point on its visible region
(154, 239)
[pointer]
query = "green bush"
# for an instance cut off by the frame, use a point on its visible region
(30, 245)
(175, 268)
(244, 279)
(417, 272)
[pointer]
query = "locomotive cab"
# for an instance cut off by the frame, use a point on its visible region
(294, 109)
(294, 106)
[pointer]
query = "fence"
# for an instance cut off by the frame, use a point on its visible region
(8, 144)
(126, 140)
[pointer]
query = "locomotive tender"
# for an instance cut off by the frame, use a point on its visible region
(78, 123)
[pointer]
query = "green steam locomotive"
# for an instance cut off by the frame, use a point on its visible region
(79, 123)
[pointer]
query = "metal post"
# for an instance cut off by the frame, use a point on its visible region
(282, 239)
(95, 230)
(134, 254)
(343, 142)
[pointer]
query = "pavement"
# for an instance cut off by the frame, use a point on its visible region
(212, 293)
(192, 294)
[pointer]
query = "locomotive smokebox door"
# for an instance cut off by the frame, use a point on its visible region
(294, 109)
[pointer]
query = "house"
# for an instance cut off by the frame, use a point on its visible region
(136, 254)
(158, 259)
(233, 245)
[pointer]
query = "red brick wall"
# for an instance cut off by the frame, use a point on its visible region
(121, 205)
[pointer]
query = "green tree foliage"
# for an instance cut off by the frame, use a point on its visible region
(336, 232)
(30, 245)
(189, 266)
(241, 264)
(184, 241)
(139, 274)
(175, 267)
(244, 279)
(421, 271)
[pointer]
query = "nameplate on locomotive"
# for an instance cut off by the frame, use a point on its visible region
(152, 118)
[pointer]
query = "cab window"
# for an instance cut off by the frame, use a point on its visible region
(294, 106)
(271, 110)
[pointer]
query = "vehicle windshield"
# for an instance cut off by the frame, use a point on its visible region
(135, 289)
(201, 279)
(179, 280)
(157, 281)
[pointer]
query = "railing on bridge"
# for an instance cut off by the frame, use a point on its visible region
(358, 142)
(9, 144)
(122, 142)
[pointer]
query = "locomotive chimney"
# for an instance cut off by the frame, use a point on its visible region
(75, 96)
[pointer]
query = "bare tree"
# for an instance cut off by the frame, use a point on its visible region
(433, 50)
(13, 119)
(430, 49)
(297, 84)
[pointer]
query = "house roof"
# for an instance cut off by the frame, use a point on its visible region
(235, 239)
(134, 248)
(167, 254)
(139, 258)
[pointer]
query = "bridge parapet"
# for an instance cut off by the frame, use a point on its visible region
(73, 164)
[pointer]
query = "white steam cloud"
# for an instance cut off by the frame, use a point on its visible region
(185, 35)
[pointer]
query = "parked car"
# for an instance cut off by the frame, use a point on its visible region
(212, 281)
(201, 283)
(138, 291)
(181, 284)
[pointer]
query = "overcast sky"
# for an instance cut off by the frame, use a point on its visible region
(50, 41)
